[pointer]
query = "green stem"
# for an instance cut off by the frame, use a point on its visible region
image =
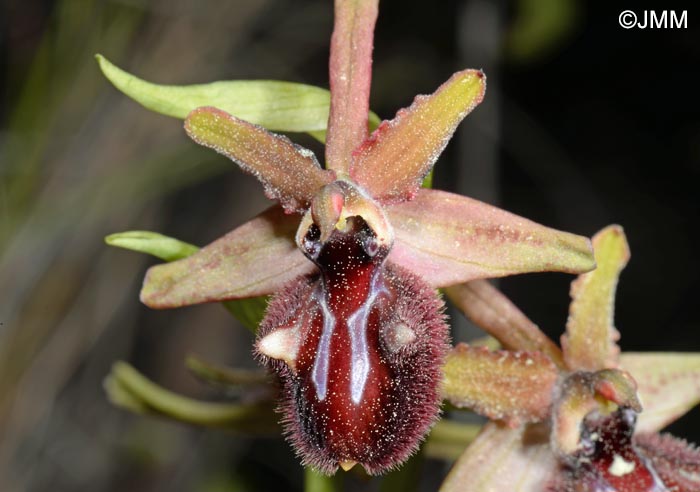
(226, 375)
(449, 439)
(128, 388)
(315, 482)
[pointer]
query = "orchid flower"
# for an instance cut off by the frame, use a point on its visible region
(580, 418)
(353, 254)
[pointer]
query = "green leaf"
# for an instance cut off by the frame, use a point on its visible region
(249, 311)
(275, 105)
(163, 247)
(128, 388)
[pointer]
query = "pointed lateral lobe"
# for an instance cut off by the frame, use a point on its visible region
(350, 77)
(668, 385)
(494, 313)
(448, 239)
(255, 259)
(288, 172)
(590, 340)
(393, 162)
(516, 460)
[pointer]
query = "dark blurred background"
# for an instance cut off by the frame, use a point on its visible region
(584, 124)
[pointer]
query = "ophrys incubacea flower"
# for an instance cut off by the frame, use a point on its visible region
(353, 254)
(576, 422)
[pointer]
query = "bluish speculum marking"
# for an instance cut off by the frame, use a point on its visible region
(359, 351)
(320, 368)
(351, 281)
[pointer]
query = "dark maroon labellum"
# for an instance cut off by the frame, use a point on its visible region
(609, 459)
(358, 349)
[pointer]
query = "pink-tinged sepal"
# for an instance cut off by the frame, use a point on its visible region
(257, 258)
(350, 70)
(449, 239)
(362, 387)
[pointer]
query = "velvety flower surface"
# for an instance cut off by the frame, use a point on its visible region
(352, 255)
(585, 418)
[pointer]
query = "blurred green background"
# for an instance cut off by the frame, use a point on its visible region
(584, 124)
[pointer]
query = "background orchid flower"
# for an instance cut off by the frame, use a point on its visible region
(582, 418)
(357, 334)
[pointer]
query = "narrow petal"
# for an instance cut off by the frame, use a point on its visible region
(512, 386)
(590, 340)
(255, 259)
(668, 385)
(449, 239)
(350, 77)
(500, 459)
(401, 152)
(494, 313)
(289, 173)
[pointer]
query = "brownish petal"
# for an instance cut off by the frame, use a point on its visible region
(350, 76)
(255, 259)
(449, 239)
(668, 385)
(590, 340)
(511, 386)
(494, 313)
(288, 172)
(392, 163)
(504, 459)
